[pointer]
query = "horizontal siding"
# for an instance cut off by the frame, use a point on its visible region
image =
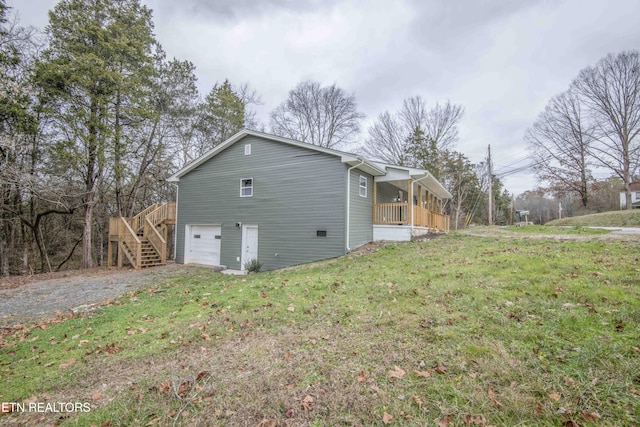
(361, 211)
(387, 192)
(296, 192)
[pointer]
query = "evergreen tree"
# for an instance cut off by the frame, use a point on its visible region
(222, 114)
(97, 51)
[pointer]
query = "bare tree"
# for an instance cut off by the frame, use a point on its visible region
(559, 142)
(324, 116)
(414, 135)
(611, 91)
(387, 141)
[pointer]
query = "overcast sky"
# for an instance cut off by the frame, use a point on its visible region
(501, 59)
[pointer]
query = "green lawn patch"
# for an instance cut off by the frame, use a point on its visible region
(460, 330)
(626, 218)
(546, 229)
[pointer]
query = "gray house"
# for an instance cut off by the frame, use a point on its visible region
(285, 202)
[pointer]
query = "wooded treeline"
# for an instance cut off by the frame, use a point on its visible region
(94, 117)
(595, 123)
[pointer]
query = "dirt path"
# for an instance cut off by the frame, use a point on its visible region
(22, 302)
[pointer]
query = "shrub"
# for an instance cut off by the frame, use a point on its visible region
(252, 266)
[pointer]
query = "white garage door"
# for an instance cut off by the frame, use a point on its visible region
(203, 244)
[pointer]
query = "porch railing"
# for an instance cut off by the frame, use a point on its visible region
(391, 213)
(398, 214)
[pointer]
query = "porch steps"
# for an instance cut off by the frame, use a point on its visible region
(142, 240)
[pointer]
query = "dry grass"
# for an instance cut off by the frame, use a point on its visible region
(457, 331)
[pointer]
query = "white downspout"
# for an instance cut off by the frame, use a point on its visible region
(348, 219)
(175, 229)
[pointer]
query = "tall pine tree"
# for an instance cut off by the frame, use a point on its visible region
(96, 51)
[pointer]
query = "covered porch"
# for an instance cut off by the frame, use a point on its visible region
(408, 199)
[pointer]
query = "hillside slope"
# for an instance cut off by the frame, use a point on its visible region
(605, 219)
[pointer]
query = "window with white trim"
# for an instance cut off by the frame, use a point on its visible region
(247, 149)
(363, 186)
(246, 187)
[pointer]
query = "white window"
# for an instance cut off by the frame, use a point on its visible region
(247, 149)
(637, 195)
(246, 187)
(363, 186)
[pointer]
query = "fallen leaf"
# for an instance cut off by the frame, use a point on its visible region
(105, 423)
(475, 420)
(423, 374)
(590, 416)
(65, 364)
(387, 418)
(307, 403)
(441, 369)
(83, 342)
(539, 409)
(554, 396)
(491, 393)
(184, 389)
(397, 372)
(418, 401)
(289, 413)
(165, 386)
(203, 375)
(570, 423)
(97, 396)
(154, 421)
(291, 308)
(444, 421)
(112, 349)
(266, 423)
(362, 376)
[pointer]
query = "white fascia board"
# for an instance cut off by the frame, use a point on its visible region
(401, 173)
(347, 158)
(206, 156)
(363, 165)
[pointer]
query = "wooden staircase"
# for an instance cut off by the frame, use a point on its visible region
(143, 238)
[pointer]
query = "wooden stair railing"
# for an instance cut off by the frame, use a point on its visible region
(156, 240)
(129, 242)
(142, 238)
(137, 222)
(162, 213)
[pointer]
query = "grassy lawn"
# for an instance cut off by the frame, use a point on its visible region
(545, 230)
(624, 218)
(461, 330)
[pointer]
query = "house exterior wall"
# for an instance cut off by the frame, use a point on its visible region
(387, 192)
(635, 197)
(296, 192)
(361, 211)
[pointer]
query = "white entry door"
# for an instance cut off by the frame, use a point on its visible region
(203, 244)
(249, 244)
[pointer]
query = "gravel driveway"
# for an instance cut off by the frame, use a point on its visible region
(40, 299)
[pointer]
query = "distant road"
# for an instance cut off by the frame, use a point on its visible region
(620, 230)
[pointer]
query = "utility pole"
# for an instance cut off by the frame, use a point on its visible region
(559, 210)
(513, 207)
(490, 188)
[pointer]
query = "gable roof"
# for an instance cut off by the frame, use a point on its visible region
(395, 173)
(388, 172)
(350, 159)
